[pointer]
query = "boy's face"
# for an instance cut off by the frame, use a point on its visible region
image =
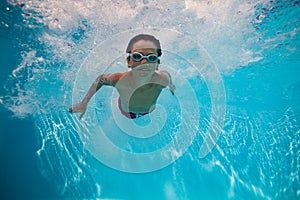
(143, 68)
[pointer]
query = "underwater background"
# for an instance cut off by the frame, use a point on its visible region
(248, 97)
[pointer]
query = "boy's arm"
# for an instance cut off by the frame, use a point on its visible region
(170, 82)
(103, 79)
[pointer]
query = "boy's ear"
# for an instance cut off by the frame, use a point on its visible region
(128, 60)
(158, 64)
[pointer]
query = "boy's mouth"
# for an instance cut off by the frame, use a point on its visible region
(144, 67)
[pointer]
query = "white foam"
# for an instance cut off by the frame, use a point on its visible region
(220, 26)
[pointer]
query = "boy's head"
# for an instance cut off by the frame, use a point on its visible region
(143, 45)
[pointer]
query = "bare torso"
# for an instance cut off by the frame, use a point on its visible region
(139, 98)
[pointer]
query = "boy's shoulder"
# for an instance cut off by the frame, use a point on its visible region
(115, 77)
(163, 77)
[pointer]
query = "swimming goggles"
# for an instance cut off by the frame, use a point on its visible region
(137, 57)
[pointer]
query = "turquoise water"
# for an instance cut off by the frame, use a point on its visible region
(236, 68)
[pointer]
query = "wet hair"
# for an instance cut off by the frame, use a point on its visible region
(146, 38)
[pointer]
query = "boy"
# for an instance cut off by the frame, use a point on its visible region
(138, 88)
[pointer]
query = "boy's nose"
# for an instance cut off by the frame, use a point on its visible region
(144, 60)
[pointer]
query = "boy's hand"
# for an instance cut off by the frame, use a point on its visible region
(79, 107)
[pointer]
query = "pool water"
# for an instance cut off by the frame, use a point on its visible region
(230, 132)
